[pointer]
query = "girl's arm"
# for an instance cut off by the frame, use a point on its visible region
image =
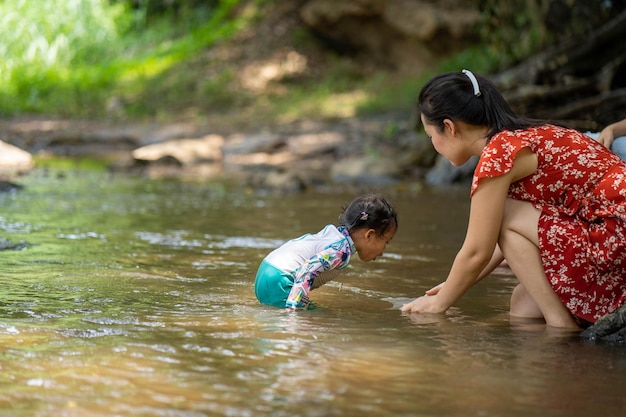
(478, 253)
(612, 131)
(332, 257)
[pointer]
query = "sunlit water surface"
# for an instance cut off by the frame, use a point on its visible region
(134, 297)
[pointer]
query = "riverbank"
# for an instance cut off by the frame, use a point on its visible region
(380, 149)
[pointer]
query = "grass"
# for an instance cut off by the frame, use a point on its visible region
(70, 57)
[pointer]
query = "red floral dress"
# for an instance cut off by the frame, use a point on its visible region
(580, 188)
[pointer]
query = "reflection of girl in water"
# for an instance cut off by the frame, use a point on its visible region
(549, 200)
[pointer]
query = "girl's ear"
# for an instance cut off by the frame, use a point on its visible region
(370, 234)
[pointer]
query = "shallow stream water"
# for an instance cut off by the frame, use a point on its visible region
(134, 297)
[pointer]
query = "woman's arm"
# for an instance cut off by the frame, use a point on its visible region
(496, 260)
(477, 257)
(486, 211)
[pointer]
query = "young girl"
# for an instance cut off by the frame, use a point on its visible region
(549, 200)
(288, 274)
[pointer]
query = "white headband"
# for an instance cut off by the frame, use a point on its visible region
(474, 81)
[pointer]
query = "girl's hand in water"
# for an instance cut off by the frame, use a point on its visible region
(424, 304)
(435, 290)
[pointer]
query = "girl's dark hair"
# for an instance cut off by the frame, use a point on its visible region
(451, 96)
(369, 211)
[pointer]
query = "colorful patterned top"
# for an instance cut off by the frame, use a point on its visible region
(313, 260)
(580, 188)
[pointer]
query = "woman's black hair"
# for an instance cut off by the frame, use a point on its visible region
(369, 211)
(453, 96)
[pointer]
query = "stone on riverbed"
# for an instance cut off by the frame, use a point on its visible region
(366, 169)
(14, 160)
(186, 151)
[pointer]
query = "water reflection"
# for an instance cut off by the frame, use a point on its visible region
(135, 298)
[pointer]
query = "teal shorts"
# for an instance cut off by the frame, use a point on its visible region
(272, 286)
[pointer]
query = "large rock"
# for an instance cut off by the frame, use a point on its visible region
(14, 161)
(183, 152)
(401, 34)
(444, 173)
(366, 169)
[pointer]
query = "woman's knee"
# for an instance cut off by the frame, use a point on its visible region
(520, 218)
(523, 305)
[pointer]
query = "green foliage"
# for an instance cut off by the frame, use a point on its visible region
(42, 40)
(48, 33)
(70, 57)
(512, 30)
(81, 57)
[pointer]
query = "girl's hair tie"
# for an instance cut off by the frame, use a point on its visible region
(364, 215)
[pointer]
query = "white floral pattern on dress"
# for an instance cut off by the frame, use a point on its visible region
(579, 187)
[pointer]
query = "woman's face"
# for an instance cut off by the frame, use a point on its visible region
(446, 142)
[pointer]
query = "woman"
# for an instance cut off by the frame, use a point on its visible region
(549, 200)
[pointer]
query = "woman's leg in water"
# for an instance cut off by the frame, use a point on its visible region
(519, 242)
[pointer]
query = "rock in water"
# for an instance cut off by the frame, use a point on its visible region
(610, 328)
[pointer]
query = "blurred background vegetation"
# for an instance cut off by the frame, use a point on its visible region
(92, 58)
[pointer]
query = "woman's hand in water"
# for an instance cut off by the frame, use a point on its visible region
(435, 290)
(424, 304)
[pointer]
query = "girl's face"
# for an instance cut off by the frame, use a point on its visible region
(447, 143)
(370, 245)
